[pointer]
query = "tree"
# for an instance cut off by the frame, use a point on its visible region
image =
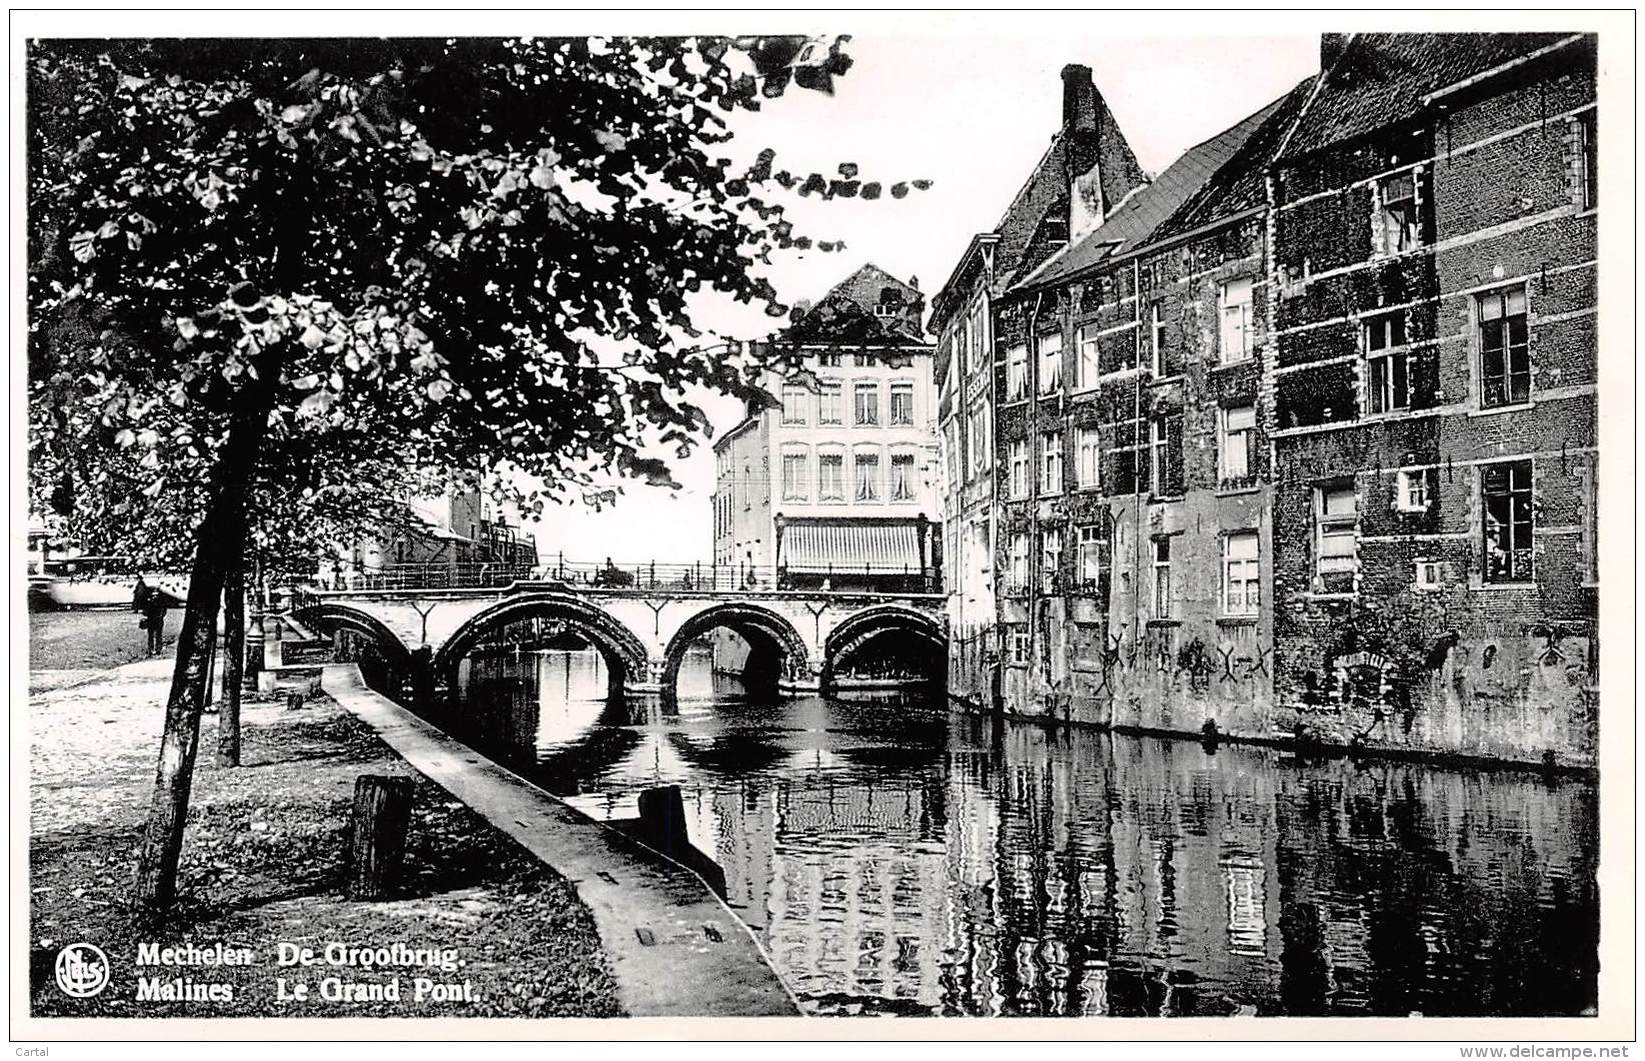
(475, 253)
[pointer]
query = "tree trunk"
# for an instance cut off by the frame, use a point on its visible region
(234, 655)
(382, 814)
(216, 544)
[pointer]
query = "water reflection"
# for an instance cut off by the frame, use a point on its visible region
(898, 859)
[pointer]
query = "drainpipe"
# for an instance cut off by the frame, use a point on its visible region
(1034, 457)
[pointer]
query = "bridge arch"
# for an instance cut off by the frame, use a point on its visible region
(624, 653)
(883, 620)
(776, 650)
(328, 618)
(395, 664)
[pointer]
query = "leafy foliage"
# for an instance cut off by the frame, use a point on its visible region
(469, 253)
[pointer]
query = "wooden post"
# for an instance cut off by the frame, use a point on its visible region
(377, 844)
(662, 818)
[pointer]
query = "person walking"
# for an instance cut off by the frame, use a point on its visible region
(152, 603)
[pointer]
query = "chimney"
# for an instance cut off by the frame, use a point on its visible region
(1079, 99)
(1082, 151)
(1331, 47)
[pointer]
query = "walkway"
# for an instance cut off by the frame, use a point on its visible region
(674, 947)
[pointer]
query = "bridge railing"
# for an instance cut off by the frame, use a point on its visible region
(648, 575)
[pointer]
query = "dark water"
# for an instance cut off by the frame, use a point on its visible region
(897, 858)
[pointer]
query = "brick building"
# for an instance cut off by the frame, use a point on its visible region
(1300, 439)
(1087, 171)
(1434, 395)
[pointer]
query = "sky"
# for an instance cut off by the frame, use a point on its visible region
(973, 114)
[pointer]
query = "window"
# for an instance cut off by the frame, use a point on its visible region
(1508, 522)
(868, 404)
(1336, 529)
(1241, 588)
(1088, 367)
(1504, 350)
(1050, 559)
(1429, 575)
(831, 477)
(795, 399)
(1588, 164)
(902, 477)
(1016, 372)
(795, 487)
(1156, 340)
(1019, 468)
(1162, 578)
(982, 451)
(1164, 447)
(1051, 363)
(1412, 491)
(1018, 575)
(1051, 462)
(1396, 220)
(1088, 447)
(1235, 303)
(1239, 433)
(868, 475)
(829, 410)
(1387, 375)
(828, 360)
(1017, 645)
(1093, 558)
(976, 335)
(953, 466)
(902, 405)
(862, 360)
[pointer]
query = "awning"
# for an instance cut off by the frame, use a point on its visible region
(850, 546)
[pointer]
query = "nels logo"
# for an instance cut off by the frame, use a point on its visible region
(82, 970)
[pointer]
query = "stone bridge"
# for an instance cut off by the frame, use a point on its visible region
(798, 635)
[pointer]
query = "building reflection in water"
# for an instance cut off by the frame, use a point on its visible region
(898, 859)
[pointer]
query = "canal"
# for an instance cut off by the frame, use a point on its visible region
(895, 857)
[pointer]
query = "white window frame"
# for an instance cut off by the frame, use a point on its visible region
(900, 387)
(912, 493)
(1088, 364)
(1050, 469)
(1398, 230)
(1048, 355)
(857, 409)
(1377, 335)
(1234, 333)
(1161, 557)
(1413, 491)
(1428, 576)
(1017, 455)
(1088, 455)
(1159, 439)
(1050, 558)
(1241, 572)
(1091, 542)
(874, 494)
(1017, 573)
(1328, 525)
(799, 487)
(795, 398)
(1226, 449)
(831, 389)
(838, 498)
(1156, 327)
(1016, 372)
